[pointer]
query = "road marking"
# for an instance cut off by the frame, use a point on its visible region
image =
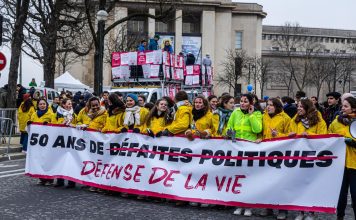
(13, 174)
(7, 166)
(11, 171)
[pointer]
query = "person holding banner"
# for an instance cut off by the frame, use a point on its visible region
(134, 116)
(116, 110)
(222, 114)
(341, 125)
(97, 115)
(246, 123)
(307, 121)
(275, 124)
(42, 115)
(182, 114)
(158, 119)
(64, 115)
(202, 124)
(25, 111)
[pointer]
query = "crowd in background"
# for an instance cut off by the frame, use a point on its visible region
(245, 117)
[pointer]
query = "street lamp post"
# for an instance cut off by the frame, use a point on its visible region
(102, 16)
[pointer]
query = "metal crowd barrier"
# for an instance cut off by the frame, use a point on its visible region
(6, 131)
(12, 114)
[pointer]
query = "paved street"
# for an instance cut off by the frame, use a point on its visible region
(21, 198)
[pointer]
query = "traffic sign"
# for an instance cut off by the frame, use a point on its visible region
(2, 61)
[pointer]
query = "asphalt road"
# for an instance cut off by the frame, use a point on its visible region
(22, 198)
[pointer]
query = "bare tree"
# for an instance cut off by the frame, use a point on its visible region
(320, 70)
(232, 69)
(262, 73)
(20, 11)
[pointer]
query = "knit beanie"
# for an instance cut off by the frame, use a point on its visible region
(134, 97)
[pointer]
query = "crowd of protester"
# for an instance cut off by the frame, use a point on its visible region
(203, 118)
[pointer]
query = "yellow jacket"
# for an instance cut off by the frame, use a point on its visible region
(157, 124)
(338, 128)
(205, 123)
(143, 115)
(24, 117)
(319, 128)
(279, 122)
(99, 122)
(114, 122)
(47, 117)
(182, 120)
(83, 117)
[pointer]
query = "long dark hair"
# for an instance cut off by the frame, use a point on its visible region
(154, 113)
(310, 113)
(277, 105)
(116, 104)
(224, 99)
(344, 119)
(27, 104)
(205, 102)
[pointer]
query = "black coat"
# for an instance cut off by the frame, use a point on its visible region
(290, 110)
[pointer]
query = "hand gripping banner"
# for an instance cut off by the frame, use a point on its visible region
(285, 173)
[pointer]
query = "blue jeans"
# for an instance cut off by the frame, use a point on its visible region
(24, 140)
(348, 181)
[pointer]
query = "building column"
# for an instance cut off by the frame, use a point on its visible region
(178, 29)
(121, 29)
(208, 34)
(151, 23)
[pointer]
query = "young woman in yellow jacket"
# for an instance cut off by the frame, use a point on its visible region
(202, 124)
(182, 115)
(307, 121)
(42, 115)
(116, 110)
(222, 114)
(158, 118)
(134, 116)
(341, 125)
(64, 115)
(97, 114)
(25, 111)
(275, 124)
(275, 121)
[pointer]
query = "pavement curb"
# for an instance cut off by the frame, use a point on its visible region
(13, 156)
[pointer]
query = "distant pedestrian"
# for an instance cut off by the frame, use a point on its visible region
(153, 44)
(3, 96)
(142, 46)
(190, 59)
(207, 61)
(168, 47)
(33, 83)
(20, 92)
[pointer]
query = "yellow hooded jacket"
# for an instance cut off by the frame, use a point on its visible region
(114, 122)
(279, 122)
(83, 117)
(182, 120)
(319, 128)
(205, 123)
(338, 128)
(157, 124)
(143, 115)
(60, 120)
(47, 117)
(98, 123)
(24, 117)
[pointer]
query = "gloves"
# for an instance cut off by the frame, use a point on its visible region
(81, 127)
(29, 122)
(166, 133)
(350, 142)
(45, 122)
(123, 130)
(159, 134)
(203, 134)
(136, 130)
(150, 133)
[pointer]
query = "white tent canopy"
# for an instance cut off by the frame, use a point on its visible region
(67, 81)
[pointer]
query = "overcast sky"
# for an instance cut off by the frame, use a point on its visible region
(338, 14)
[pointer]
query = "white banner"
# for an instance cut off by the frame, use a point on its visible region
(291, 174)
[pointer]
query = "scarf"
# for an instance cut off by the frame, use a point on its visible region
(346, 119)
(132, 116)
(93, 115)
(67, 115)
(305, 122)
(114, 110)
(224, 116)
(198, 114)
(40, 113)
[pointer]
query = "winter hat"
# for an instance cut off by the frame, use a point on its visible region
(156, 36)
(133, 96)
(336, 95)
(26, 96)
(346, 95)
(265, 98)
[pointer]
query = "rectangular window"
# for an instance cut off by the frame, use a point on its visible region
(337, 40)
(238, 40)
(327, 40)
(161, 27)
(275, 48)
(292, 49)
(342, 51)
(269, 37)
(332, 40)
(309, 50)
(136, 26)
(263, 37)
(326, 51)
